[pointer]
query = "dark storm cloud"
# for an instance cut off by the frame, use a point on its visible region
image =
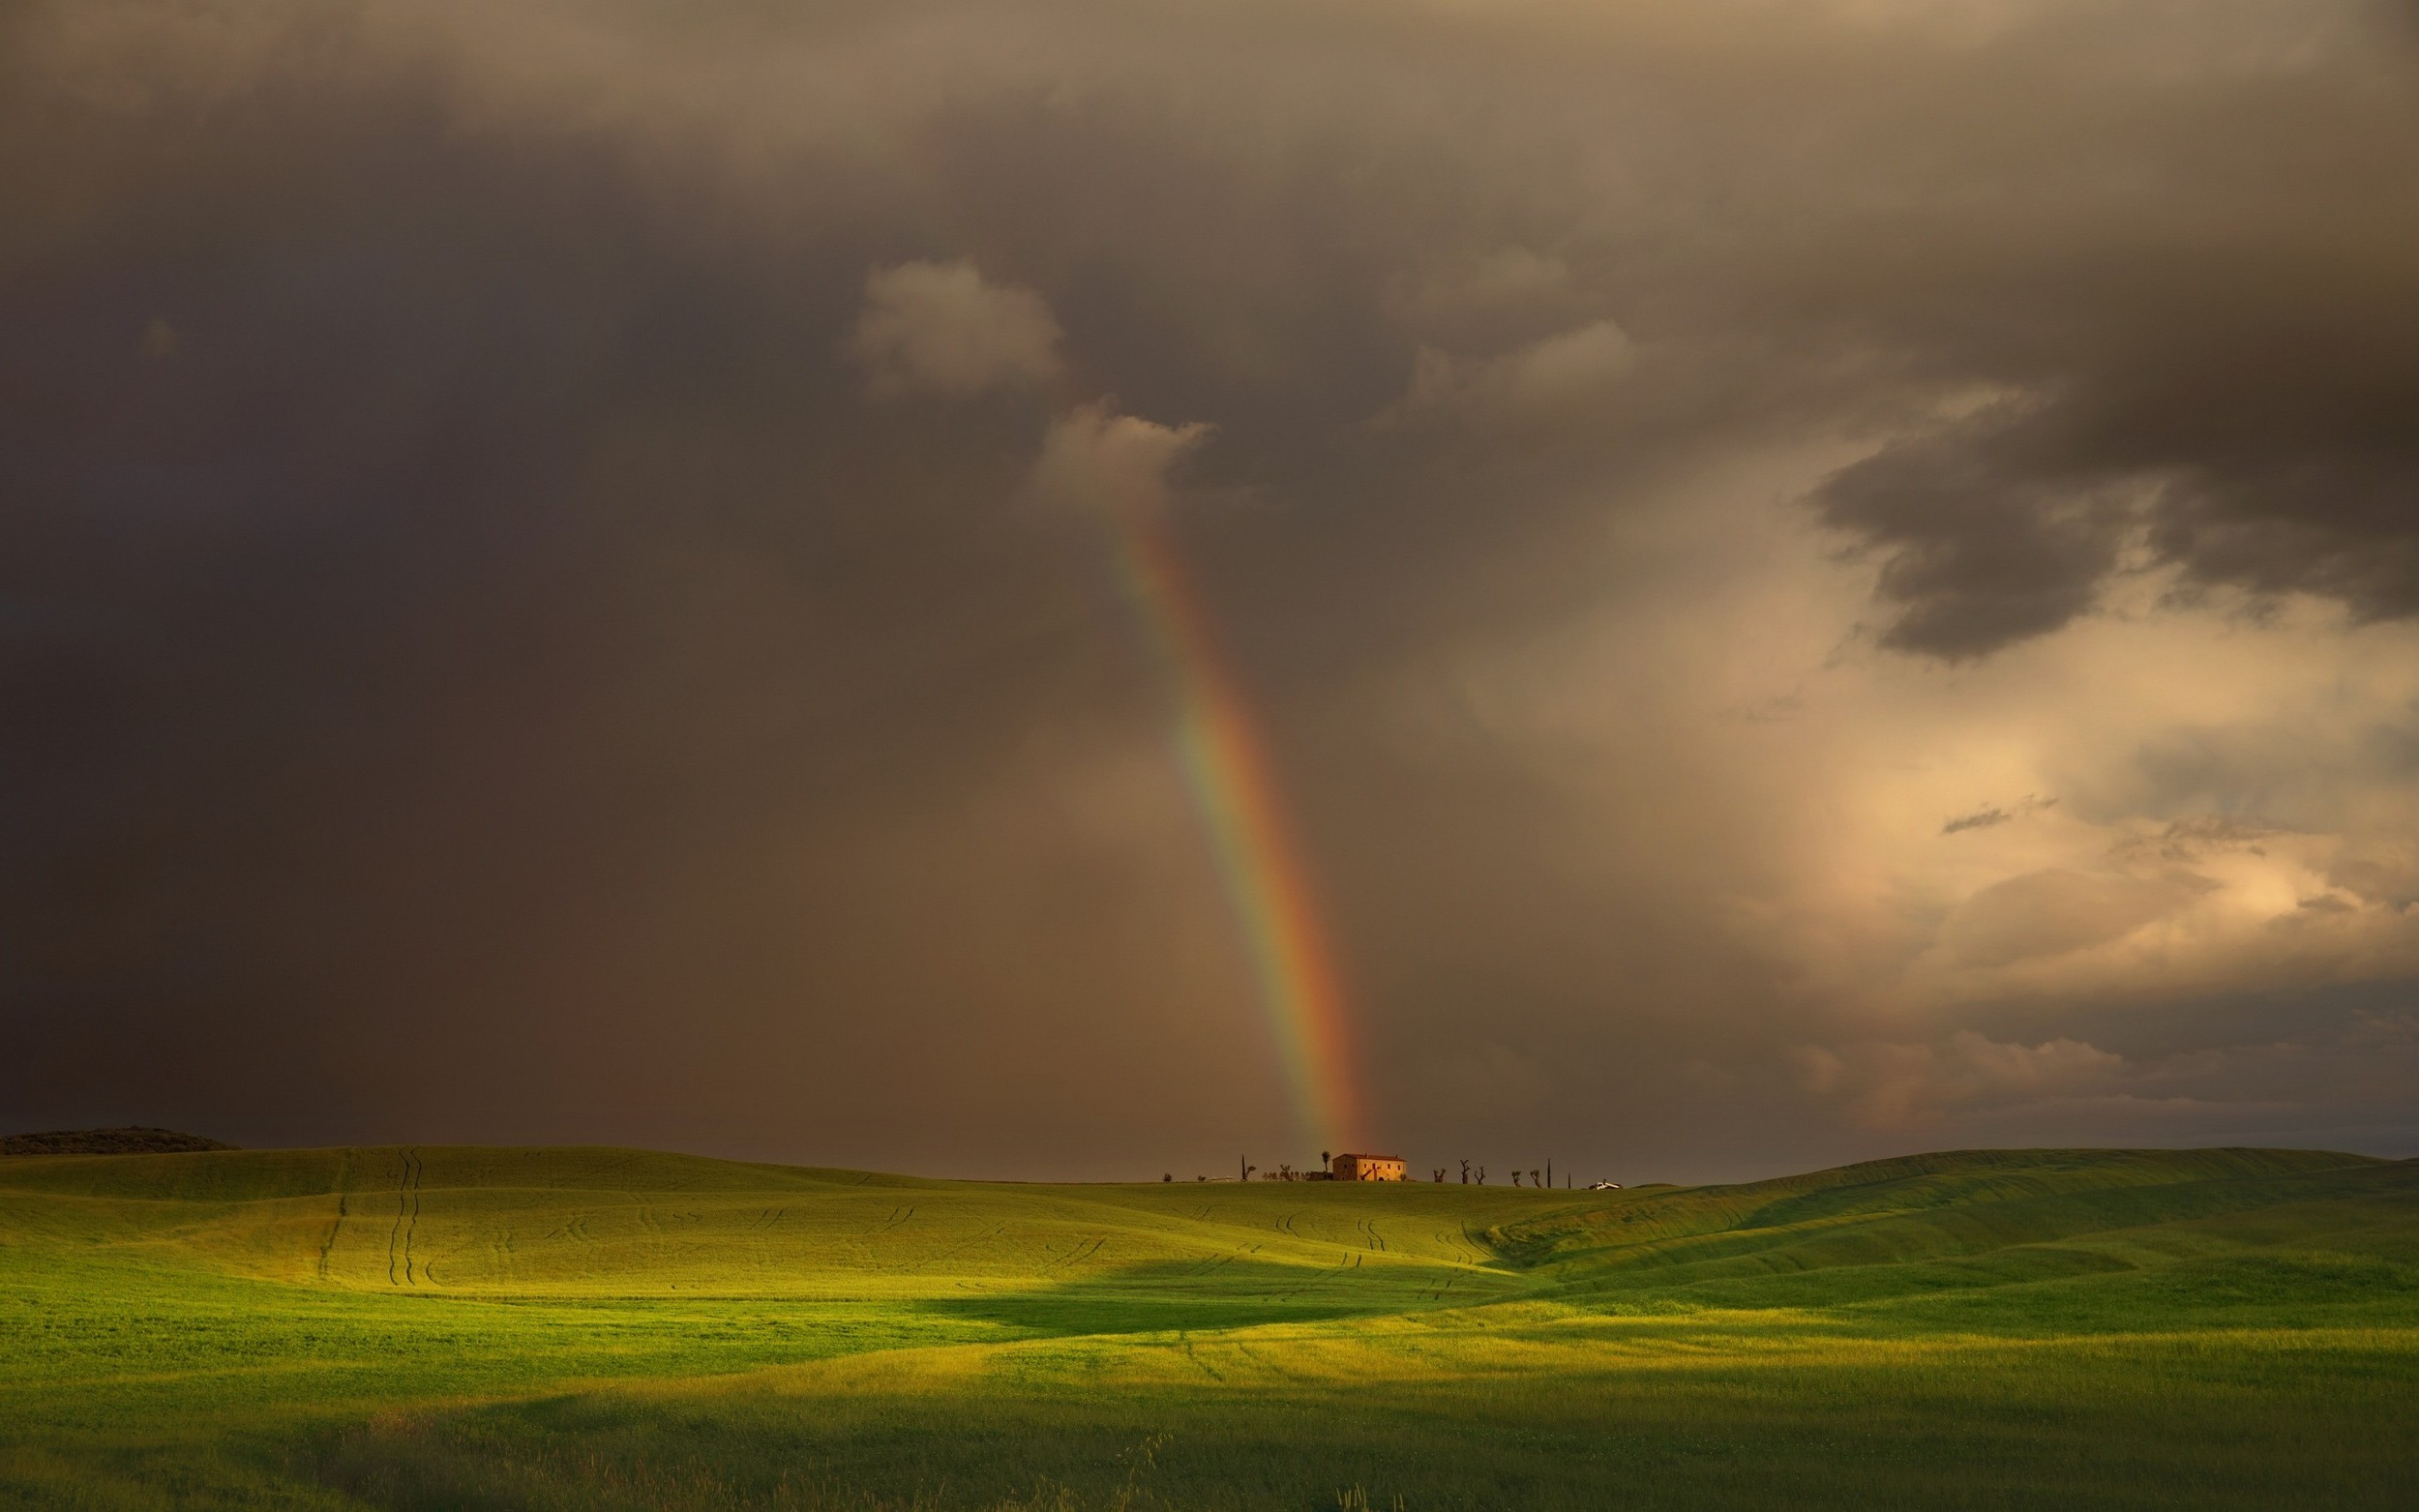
(1979, 554)
(2210, 343)
(525, 609)
(2289, 467)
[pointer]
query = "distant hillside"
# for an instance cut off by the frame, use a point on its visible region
(2100, 1239)
(107, 1141)
(1184, 1255)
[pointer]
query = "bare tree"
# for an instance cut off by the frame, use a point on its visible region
(1534, 1183)
(1284, 1171)
(1465, 1173)
(1515, 1178)
(1440, 1175)
(1481, 1175)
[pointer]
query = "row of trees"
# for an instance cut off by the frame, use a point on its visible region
(1540, 1179)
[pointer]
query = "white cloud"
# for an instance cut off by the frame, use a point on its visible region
(940, 328)
(1095, 458)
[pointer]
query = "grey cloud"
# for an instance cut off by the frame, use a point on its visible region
(2187, 841)
(1978, 554)
(1980, 819)
(1900, 1084)
(2301, 476)
(1994, 816)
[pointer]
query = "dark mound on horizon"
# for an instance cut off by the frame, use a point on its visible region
(108, 1142)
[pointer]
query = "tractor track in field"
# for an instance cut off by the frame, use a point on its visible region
(1318, 1280)
(1076, 1256)
(1227, 1258)
(411, 1230)
(344, 1207)
(1203, 1366)
(343, 1200)
(575, 1228)
(394, 1235)
(955, 1250)
(406, 1221)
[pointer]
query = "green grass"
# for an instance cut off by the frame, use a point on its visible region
(600, 1329)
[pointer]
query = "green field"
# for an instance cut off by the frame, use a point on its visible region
(611, 1328)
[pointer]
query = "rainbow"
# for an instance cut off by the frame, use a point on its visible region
(1226, 770)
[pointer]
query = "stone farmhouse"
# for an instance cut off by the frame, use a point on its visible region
(1366, 1168)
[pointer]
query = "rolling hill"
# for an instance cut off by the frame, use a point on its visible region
(525, 1327)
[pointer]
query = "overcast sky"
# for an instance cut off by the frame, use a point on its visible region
(1820, 577)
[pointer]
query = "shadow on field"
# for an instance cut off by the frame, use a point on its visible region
(1228, 1293)
(2222, 1423)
